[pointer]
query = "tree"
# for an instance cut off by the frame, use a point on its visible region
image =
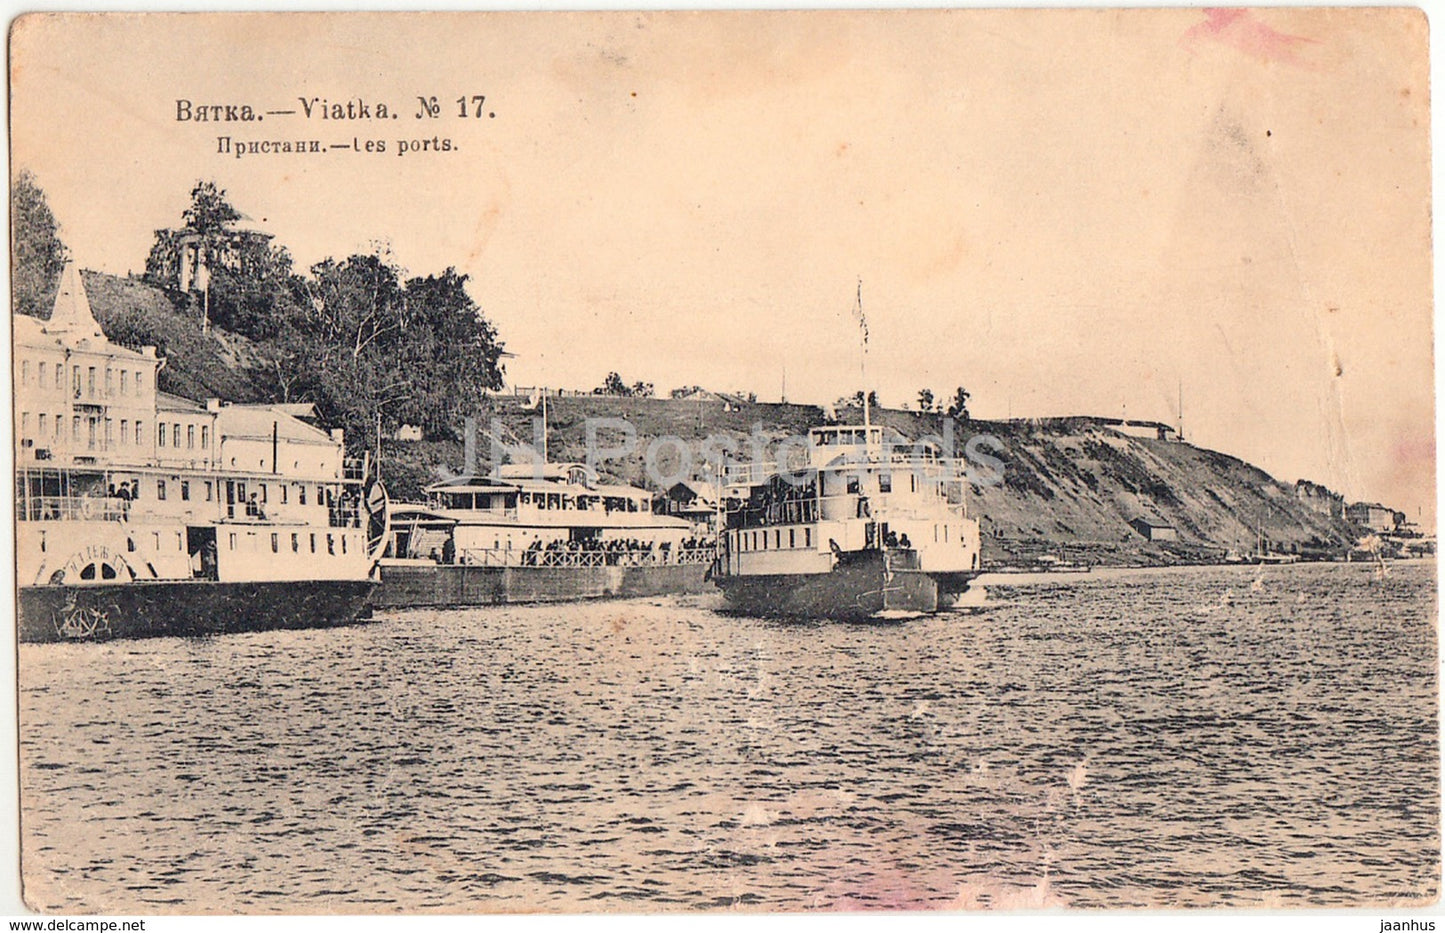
(641, 389)
(40, 255)
(361, 344)
(925, 400)
(248, 280)
(613, 385)
(959, 408)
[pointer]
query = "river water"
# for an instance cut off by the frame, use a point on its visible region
(1193, 737)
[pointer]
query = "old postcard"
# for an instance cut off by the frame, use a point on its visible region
(724, 461)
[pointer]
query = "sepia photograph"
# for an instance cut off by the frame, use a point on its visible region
(716, 462)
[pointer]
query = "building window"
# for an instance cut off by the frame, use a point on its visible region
(161, 489)
(275, 543)
(90, 433)
(109, 433)
(205, 435)
(160, 435)
(109, 381)
(190, 437)
(807, 537)
(330, 545)
(185, 490)
(75, 380)
(295, 543)
(40, 376)
(792, 541)
(176, 437)
(125, 431)
(283, 494)
(139, 435)
(41, 425)
(124, 382)
(313, 542)
(263, 492)
(343, 544)
(25, 373)
(139, 381)
(233, 540)
(90, 380)
(60, 375)
(75, 428)
(24, 423)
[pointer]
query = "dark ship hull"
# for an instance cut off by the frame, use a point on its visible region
(186, 607)
(862, 585)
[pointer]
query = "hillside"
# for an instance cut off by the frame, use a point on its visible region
(1070, 485)
(199, 366)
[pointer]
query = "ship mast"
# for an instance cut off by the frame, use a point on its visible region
(863, 364)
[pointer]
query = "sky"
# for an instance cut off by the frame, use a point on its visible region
(1066, 212)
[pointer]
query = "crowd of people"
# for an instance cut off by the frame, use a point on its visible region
(612, 552)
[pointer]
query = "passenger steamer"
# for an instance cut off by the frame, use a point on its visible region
(536, 533)
(141, 513)
(864, 529)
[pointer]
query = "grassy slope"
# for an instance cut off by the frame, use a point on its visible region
(1070, 486)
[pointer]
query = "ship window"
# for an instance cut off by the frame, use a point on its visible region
(912, 483)
(778, 538)
(885, 482)
(295, 543)
(190, 436)
(945, 534)
(935, 534)
(284, 490)
(792, 541)
(155, 540)
(88, 573)
(208, 490)
(161, 489)
(263, 492)
(343, 544)
(42, 542)
(107, 572)
(275, 543)
(330, 545)
(185, 490)
(313, 542)
(233, 540)
(807, 537)
(180, 543)
(301, 495)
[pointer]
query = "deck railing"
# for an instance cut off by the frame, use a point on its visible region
(510, 557)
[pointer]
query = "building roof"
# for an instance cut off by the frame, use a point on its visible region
(1152, 522)
(71, 314)
(256, 422)
(168, 402)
